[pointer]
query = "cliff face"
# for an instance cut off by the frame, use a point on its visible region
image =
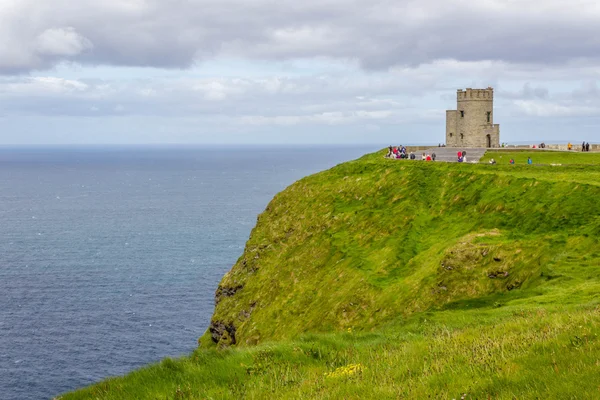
(374, 240)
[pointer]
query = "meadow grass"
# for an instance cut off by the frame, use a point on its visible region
(403, 279)
(540, 156)
(514, 352)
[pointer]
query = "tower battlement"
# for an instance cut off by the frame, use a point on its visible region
(472, 123)
(475, 94)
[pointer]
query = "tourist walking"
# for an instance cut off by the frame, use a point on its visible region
(433, 156)
(583, 147)
(587, 146)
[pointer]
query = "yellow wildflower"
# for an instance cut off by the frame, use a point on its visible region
(349, 370)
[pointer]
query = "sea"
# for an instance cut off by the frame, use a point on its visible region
(110, 256)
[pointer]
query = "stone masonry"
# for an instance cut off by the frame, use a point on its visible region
(472, 123)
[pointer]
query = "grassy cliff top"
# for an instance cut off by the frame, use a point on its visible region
(403, 279)
(373, 240)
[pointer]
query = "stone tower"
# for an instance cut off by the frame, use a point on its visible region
(472, 123)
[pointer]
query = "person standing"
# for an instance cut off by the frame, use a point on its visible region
(433, 156)
(587, 146)
(583, 146)
(529, 161)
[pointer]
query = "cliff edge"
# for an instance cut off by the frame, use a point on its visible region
(374, 240)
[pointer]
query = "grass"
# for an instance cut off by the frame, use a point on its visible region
(406, 280)
(506, 353)
(543, 157)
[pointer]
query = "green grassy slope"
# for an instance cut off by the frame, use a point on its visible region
(375, 239)
(402, 279)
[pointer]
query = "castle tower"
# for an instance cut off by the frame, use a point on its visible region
(472, 123)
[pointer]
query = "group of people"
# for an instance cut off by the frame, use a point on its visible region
(584, 146)
(461, 156)
(401, 153)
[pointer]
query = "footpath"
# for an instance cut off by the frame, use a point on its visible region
(448, 154)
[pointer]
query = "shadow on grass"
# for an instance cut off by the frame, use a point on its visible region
(491, 301)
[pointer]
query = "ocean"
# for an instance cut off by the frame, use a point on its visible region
(110, 256)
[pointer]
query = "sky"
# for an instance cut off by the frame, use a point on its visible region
(293, 72)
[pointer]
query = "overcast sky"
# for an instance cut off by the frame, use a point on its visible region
(290, 71)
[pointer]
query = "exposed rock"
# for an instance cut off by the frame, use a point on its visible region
(447, 267)
(225, 291)
(498, 274)
(250, 267)
(222, 333)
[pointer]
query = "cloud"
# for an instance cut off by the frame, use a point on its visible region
(318, 99)
(62, 42)
(377, 34)
(526, 92)
(40, 86)
(556, 110)
(392, 97)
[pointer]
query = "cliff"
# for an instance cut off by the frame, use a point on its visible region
(373, 240)
(397, 279)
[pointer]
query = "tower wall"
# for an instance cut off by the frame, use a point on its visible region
(451, 131)
(473, 120)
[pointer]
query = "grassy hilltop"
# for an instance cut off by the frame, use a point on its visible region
(402, 279)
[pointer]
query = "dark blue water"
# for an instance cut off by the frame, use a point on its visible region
(109, 258)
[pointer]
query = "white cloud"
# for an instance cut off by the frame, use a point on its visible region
(62, 42)
(41, 86)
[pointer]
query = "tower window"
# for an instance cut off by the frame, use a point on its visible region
(462, 114)
(450, 134)
(462, 136)
(489, 116)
